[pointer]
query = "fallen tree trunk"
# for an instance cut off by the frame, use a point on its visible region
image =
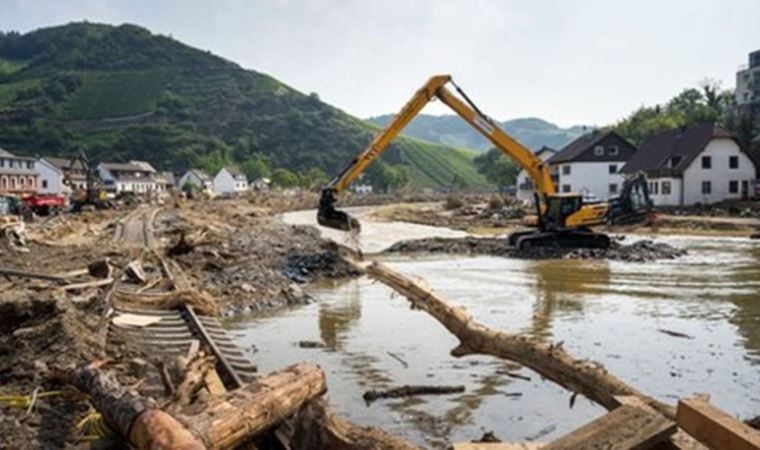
(551, 361)
(316, 428)
(227, 421)
(222, 423)
(129, 414)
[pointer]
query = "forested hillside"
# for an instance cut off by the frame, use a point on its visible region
(124, 93)
(532, 132)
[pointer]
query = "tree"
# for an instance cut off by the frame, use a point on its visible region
(314, 177)
(257, 167)
(497, 167)
(284, 178)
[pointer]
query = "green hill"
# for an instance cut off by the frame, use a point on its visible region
(532, 132)
(124, 93)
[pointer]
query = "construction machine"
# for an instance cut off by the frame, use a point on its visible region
(91, 196)
(562, 219)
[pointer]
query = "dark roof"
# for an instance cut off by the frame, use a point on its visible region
(581, 149)
(62, 163)
(124, 167)
(202, 175)
(655, 155)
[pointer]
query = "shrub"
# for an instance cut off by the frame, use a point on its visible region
(453, 202)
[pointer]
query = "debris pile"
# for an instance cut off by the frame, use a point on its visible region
(639, 251)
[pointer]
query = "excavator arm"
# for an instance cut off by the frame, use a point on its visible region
(434, 88)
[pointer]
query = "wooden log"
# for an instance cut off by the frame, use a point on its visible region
(551, 361)
(227, 421)
(317, 428)
(626, 427)
(222, 423)
(498, 446)
(715, 428)
(129, 414)
(27, 274)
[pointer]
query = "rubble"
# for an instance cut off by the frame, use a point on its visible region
(639, 251)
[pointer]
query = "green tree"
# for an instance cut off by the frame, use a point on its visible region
(257, 167)
(285, 178)
(497, 167)
(314, 177)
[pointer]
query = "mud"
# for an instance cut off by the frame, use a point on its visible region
(639, 251)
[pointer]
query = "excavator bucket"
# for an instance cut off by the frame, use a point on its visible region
(329, 217)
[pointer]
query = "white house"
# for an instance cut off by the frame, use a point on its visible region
(590, 165)
(230, 180)
(198, 179)
(525, 187)
(17, 173)
(701, 164)
(133, 177)
(60, 175)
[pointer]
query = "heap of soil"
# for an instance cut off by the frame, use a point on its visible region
(639, 251)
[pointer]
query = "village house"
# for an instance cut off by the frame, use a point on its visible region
(164, 181)
(196, 179)
(701, 164)
(60, 175)
(135, 177)
(525, 187)
(590, 165)
(17, 173)
(261, 184)
(230, 180)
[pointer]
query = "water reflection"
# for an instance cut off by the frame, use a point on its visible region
(560, 289)
(336, 319)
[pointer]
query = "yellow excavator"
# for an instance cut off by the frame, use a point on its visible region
(562, 219)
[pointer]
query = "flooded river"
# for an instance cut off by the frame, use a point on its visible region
(608, 311)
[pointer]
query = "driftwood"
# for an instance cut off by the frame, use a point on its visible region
(222, 423)
(226, 421)
(7, 271)
(549, 360)
(129, 414)
(316, 428)
(409, 391)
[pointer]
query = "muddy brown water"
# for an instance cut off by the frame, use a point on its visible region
(608, 311)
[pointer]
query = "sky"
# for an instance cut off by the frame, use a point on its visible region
(586, 62)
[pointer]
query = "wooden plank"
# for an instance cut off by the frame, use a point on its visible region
(714, 427)
(498, 446)
(626, 427)
(679, 441)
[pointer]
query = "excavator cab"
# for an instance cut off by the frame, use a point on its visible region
(559, 208)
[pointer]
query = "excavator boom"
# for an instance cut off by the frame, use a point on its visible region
(435, 88)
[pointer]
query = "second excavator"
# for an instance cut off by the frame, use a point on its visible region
(562, 219)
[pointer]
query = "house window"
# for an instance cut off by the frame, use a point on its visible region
(614, 150)
(666, 188)
(44, 184)
(674, 161)
(2, 163)
(706, 162)
(613, 188)
(565, 188)
(566, 169)
(733, 162)
(656, 186)
(599, 150)
(706, 187)
(613, 168)
(30, 164)
(22, 181)
(733, 187)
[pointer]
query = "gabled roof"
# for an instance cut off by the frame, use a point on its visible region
(6, 154)
(680, 145)
(143, 165)
(62, 163)
(545, 151)
(235, 172)
(200, 174)
(581, 149)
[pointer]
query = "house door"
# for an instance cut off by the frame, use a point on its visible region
(745, 189)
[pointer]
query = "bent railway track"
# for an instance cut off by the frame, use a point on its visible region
(136, 228)
(166, 335)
